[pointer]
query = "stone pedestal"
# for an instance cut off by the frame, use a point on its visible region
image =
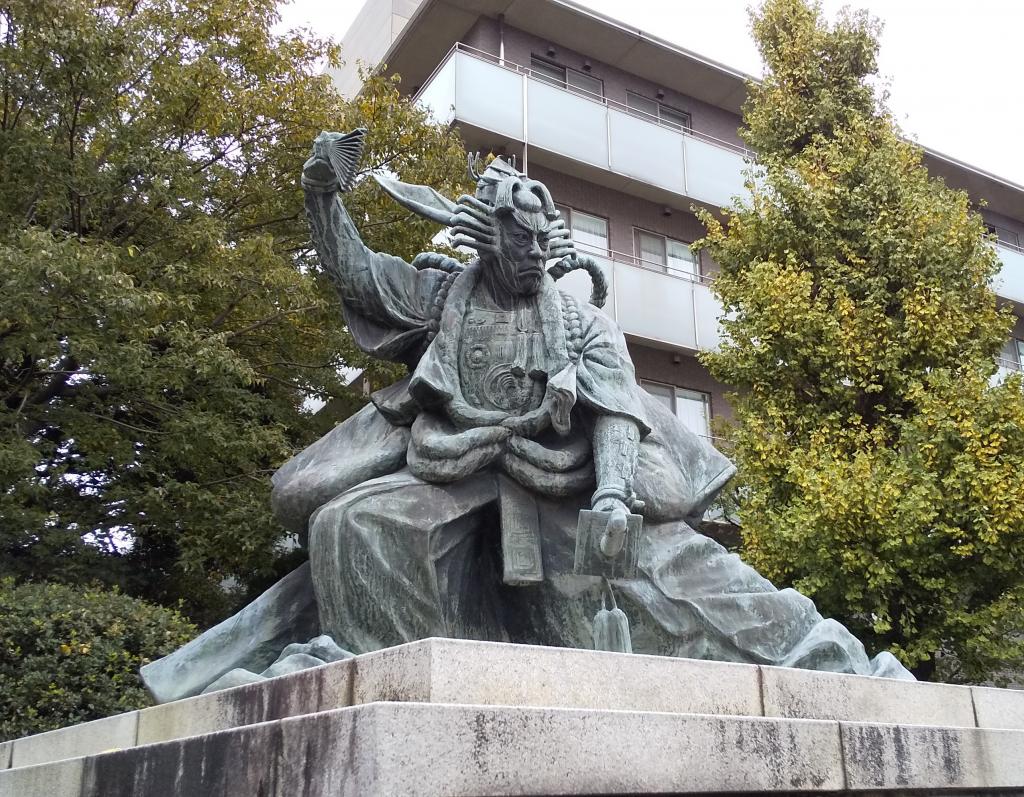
(448, 717)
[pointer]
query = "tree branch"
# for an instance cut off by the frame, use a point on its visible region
(270, 320)
(7, 76)
(125, 425)
(290, 364)
(237, 476)
(222, 316)
(267, 223)
(58, 382)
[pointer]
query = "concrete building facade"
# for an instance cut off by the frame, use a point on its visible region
(629, 132)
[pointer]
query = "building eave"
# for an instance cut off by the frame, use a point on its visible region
(437, 24)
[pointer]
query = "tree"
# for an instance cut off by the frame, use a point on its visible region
(162, 316)
(882, 471)
(72, 654)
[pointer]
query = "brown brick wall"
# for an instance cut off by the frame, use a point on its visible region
(483, 35)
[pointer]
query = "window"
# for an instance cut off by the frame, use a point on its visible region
(580, 83)
(644, 107)
(1004, 235)
(549, 73)
(673, 118)
(692, 407)
(663, 254)
(576, 82)
(636, 102)
(1012, 355)
(589, 233)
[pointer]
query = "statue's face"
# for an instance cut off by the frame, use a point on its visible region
(522, 247)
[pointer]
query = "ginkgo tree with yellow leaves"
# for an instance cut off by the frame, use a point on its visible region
(881, 468)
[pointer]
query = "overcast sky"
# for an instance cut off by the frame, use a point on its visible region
(955, 69)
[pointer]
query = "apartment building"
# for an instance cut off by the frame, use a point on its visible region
(629, 132)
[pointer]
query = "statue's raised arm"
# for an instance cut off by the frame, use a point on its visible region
(387, 301)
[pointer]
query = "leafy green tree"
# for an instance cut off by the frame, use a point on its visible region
(162, 316)
(882, 471)
(71, 654)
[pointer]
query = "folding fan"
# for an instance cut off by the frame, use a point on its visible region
(343, 153)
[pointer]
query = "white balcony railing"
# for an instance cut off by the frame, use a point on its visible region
(474, 88)
(1005, 367)
(663, 306)
(1009, 282)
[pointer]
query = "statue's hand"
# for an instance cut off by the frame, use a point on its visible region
(614, 536)
(335, 160)
(317, 173)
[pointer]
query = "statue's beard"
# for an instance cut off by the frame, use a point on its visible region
(517, 279)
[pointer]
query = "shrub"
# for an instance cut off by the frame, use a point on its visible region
(71, 654)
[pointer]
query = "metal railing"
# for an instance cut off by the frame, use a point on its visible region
(629, 259)
(1012, 247)
(600, 99)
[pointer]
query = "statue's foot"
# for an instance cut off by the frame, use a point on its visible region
(295, 657)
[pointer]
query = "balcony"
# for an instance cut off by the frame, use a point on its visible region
(1009, 282)
(472, 88)
(1005, 367)
(667, 307)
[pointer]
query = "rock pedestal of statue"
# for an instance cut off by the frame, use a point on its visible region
(447, 717)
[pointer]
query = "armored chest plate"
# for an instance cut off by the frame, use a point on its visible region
(501, 359)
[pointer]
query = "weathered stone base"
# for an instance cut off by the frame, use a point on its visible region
(446, 717)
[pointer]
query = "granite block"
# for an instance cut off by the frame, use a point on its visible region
(921, 757)
(454, 750)
(54, 779)
(89, 738)
(505, 750)
(822, 695)
(303, 692)
(456, 717)
(241, 761)
(998, 708)
(488, 673)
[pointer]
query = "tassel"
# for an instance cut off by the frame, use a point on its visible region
(611, 626)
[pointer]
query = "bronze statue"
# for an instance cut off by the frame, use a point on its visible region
(451, 505)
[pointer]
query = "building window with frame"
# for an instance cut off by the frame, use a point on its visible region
(1004, 236)
(1012, 355)
(565, 78)
(691, 407)
(642, 106)
(589, 232)
(660, 253)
